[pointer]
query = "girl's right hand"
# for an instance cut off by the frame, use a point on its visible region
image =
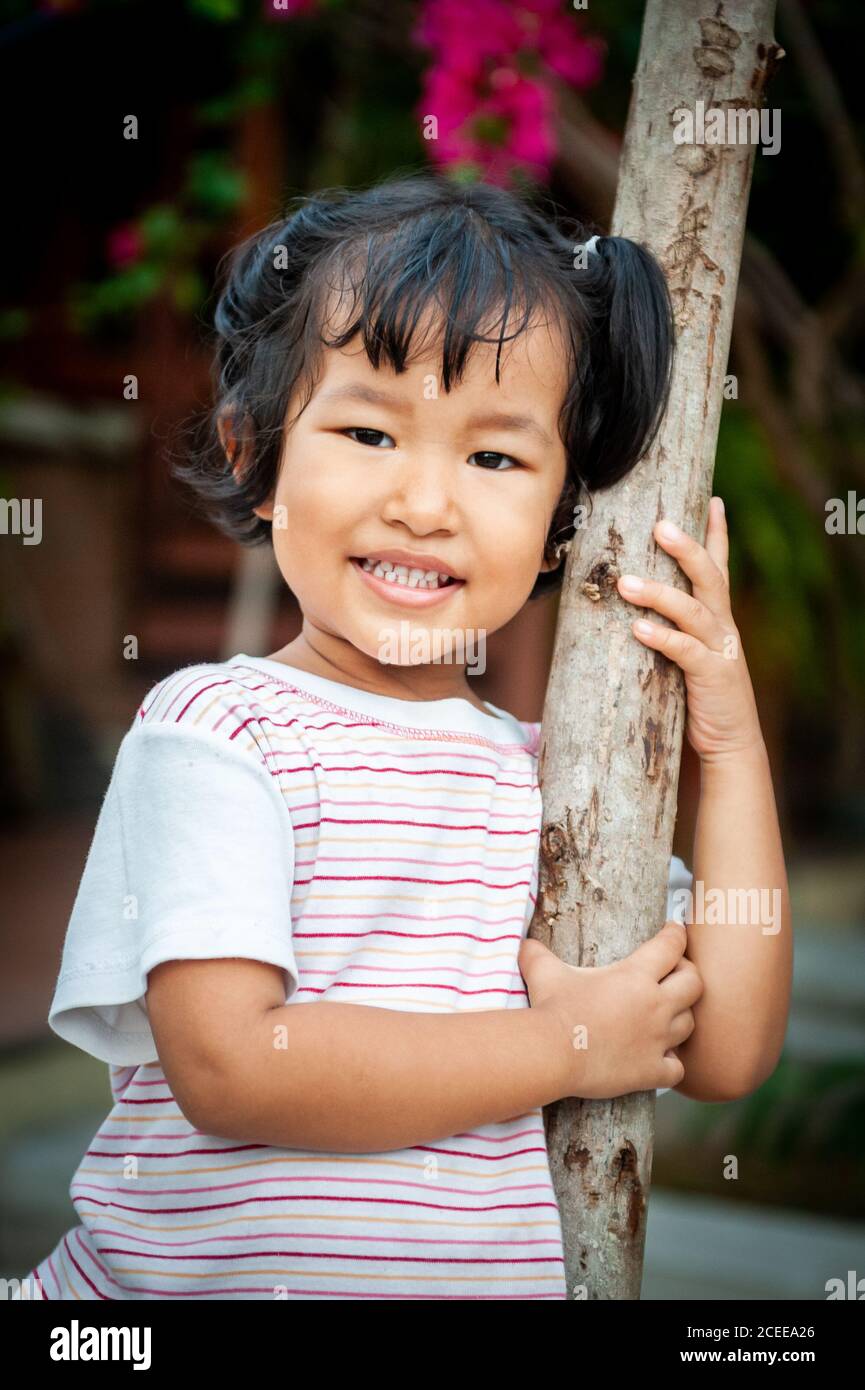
(618, 1023)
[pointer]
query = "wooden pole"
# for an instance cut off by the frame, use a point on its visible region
(614, 711)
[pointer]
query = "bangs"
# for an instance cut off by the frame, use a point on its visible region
(433, 282)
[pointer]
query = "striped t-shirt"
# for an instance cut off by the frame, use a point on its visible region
(381, 851)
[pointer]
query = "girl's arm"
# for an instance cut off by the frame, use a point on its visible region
(741, 940)
(352, 1078)
(739, 933)
(343, 1078)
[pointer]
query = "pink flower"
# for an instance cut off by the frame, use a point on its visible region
(511, 123)
(465, 33)
(490, 84)
(123, 245)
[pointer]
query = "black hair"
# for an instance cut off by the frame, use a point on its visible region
(470, 250)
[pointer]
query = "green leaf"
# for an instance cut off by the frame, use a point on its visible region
(14, 323)
(89, 304)
(255, 90)
(214, 183)
(465, 171)
(222, 11)
(188, 290)
(492, 129)
(162, 230)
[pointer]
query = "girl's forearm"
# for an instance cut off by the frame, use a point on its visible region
(741, 938)
(350, 1078)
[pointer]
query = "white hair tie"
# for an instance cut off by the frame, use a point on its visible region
(592, 245)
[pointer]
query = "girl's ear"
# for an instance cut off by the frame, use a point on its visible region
(552, 560)
(229, 442)
(236, 455)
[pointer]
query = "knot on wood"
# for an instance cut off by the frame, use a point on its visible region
(716, 33)
(770, 56)
(625, 1169)
(577, 1156)
(654, 749)
(555, 841)
(600, 581)
(696, 160)
(719, 41)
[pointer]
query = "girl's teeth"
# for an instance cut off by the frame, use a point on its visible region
(401, 574)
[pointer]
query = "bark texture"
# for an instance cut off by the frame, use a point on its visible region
(614, 712)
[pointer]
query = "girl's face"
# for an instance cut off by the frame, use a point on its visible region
(382, 462)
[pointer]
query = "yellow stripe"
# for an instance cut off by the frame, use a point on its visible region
(506, 797)
(69, 1283)
(475, 846)
(339, 1160)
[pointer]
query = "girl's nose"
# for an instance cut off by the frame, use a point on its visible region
(421, 494)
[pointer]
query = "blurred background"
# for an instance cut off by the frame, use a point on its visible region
(111, 249)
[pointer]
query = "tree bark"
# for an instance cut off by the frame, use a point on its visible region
(613, 716)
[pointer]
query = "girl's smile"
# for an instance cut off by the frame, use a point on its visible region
(400, 593)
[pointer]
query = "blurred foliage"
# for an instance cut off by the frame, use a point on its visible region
(14, 323)
(775, 553)
(814, 1109)
(171, 237)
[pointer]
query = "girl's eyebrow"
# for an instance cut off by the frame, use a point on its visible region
(494, 420)
(369, 394)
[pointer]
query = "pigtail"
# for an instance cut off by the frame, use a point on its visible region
(626, 363)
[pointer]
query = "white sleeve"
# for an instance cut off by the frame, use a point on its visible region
(192, 858)
(679, 887)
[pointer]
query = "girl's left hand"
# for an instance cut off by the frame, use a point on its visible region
(722, 713)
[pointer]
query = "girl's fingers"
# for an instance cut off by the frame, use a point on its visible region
(707, 581)
(717, 539)
(686, 651)
(688, 613)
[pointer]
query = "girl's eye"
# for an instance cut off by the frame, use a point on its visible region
(494, 454)
(480, 453)
(360, 430)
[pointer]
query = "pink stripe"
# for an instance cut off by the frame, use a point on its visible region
(426, 806)
(89, 1282)
(413, 970)
(267, 1290)
(341, 1255)
(403, 935)
(429, 861)
(190, 1133)
(390, 1183)
(331, 1235)
(54, 1277)
(410, 878)
(319, 1197)
(370, 721)
(372, 984)
(395, 751)
(404, 771)
(308, 698)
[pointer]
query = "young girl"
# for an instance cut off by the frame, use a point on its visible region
(337, 827)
